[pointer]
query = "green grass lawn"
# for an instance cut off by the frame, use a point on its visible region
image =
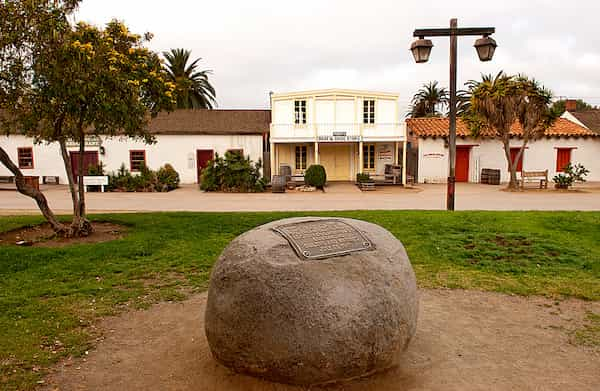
(49, 297)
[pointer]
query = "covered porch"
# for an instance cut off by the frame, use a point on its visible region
(342, 160)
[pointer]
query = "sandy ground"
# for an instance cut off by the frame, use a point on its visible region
(466, 340)
(339, 196)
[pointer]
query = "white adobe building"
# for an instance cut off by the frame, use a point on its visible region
(186, 139)
(564, 142)
(346, 131)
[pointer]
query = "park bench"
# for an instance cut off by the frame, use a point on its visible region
(7, 183)
(534, 177)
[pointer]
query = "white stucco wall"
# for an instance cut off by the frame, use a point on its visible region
(178, 150)
(539, 155)
(332, 109)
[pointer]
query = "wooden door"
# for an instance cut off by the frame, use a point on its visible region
(90, 158)
(336, 160)
(513, 156)
(462, 164)
(563, 157)
(203, 156)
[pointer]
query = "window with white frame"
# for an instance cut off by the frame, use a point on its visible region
(301, 157)
(368, 157)
(300, 111)
(369, 111)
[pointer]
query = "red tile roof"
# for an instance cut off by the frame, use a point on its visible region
(438, 127)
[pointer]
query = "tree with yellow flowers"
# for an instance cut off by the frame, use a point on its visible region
(86, 81)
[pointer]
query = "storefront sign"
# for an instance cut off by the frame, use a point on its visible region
(434, 155)
(90, 141)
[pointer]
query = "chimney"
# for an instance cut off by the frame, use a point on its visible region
(571, 105)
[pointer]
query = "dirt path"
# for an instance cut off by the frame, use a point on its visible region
(465, 341)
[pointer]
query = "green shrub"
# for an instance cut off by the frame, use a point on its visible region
(167, 178)
(96, 169)
(571, 174)
(315, 176)
(234, 173)
(363, 177)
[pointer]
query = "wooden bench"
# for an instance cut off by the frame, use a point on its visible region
(535, 176)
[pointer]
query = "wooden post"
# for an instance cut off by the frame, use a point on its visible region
(360, 157)
(452, 131)
(272, 156)
(404, 170)
(316, 152)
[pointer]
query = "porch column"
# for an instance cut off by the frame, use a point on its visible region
(404, 163)
(272, 160)
(316, 152)
(395, 153)
(360, 156)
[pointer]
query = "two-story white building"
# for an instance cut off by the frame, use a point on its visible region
(346, 131)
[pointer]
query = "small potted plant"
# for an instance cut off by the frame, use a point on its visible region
(363, 177)
(571, 174)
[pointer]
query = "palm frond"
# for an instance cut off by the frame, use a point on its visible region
(194, 90)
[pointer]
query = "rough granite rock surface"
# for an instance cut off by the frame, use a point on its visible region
(275, 315)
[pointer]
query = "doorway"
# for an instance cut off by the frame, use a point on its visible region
(462, 163)
(336, 160)
(90, 158)
(203, 156)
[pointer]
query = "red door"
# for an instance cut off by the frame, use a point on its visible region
(90, 158)
(563, 157)
(203, 156)
(513, 156)
(462, 163)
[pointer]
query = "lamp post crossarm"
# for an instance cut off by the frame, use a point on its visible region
(447, 32)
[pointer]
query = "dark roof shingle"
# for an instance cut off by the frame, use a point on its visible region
(213, 122)
(590, 118)
(438, 127)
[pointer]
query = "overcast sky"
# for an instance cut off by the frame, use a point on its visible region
(258, 46)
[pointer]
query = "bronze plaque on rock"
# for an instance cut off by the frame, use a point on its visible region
(317, 239)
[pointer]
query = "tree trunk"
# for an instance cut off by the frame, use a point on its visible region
(80, 225)
(513, 183)
(69, 168)
(29, 191)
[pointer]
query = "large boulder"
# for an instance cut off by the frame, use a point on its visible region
(310, 301)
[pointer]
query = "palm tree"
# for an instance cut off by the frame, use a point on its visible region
(498, 102)
(429, 101)
(194, 90)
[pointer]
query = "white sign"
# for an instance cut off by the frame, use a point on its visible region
(385, 153)
(90, 141)
(95, 181)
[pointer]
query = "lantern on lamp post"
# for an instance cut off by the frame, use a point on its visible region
(485, 47)
(421, 49)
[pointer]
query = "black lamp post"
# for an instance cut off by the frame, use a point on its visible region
(421, 49)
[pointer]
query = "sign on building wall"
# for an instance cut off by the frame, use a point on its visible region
(385, 153)
(433, 155)
(90, 141)
(191, 161)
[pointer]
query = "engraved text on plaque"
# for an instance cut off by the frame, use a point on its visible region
(323, 238)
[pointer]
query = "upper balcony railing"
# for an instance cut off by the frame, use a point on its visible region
(337, 132)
